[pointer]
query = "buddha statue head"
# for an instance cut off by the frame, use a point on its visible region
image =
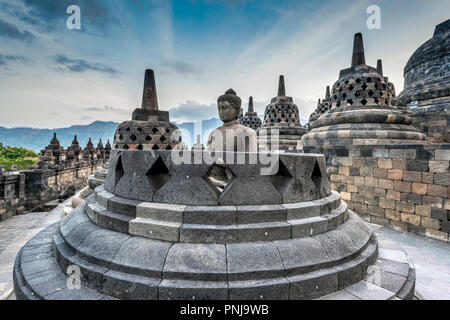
(229, 105)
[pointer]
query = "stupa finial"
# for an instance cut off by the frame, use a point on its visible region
(149, 98)
(281, 88)
(250, 104)
(358, 50)
(198, 139)
(380, 67)
(327, 93)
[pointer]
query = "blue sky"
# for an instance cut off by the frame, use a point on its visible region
(51, 76)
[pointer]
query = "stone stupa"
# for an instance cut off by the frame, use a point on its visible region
(362, 109)
(427, 85)
(251, 118)
(149, 128)
(281, 123)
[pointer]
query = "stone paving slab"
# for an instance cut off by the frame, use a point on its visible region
(14, 233)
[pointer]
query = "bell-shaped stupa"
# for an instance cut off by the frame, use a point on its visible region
(362, 109)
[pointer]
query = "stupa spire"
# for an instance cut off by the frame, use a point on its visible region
(281, 88)
(327, 93)
(380, 67)
(358, 50)
(149, 98)
(250, 104)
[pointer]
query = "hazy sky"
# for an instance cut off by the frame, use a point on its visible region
(51, 76)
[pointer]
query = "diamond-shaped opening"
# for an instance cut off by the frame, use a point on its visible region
(120, 137)
(219, 175)
(140, 147)
(148, 138)
(139, 129)
(316, 176)
(350, 101)
(358, 80)
(127, 129)
(364, 86)
(370, 93)
(369, 79)
(282, 179)
(158, 174)
(350, 87)
(168, 130)
(118, 171)
(162, 139)
(125, 146)
(169, 148)
(364, 102)
(155, 147)
(357, 94)
(133, 138)
(344, 95)
(155, 130)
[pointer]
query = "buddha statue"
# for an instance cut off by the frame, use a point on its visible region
(231, 136)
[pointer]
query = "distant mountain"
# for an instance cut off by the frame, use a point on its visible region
(38, 139)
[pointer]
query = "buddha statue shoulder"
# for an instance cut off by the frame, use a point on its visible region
(231, 136)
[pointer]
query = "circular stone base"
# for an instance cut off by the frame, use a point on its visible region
(114, 265)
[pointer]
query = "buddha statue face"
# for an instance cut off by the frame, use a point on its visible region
(227, 112)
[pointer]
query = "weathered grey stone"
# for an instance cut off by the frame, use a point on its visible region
(208, 233)
(262, 213)
(264, 231)
(212, 215)
(368, 291)
(130, 287)
(196, 261)
(313, 285)
(160, 211)
(254, 260)
(311, 257)
(101, 246)
(267, 289)
(145, 256)
(192, 290)
(155, 229)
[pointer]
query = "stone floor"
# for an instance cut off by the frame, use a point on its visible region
(431, 257)
(14, 233)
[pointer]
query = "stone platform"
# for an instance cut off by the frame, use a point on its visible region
(158, 230)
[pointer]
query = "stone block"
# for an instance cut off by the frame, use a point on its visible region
(412, 176)
(366, 171)
(439, 166)
(398, 226)
(437, 191)
(439, 214)
(419, 188)
(395, 174)
(410, 218)
(387, 203)
(266, 289)
(130, 287)
(257, 260)
(434, 202)
(392, 214)
(371, 182)
(313, 285)
(404, 207)
(344, 170)
(402, 186)
(155, 229)
(427, 177)
(430, 223)
(358, 181)
(375, 211)
(386, 184)
(196, 261)
(396, 153)
(160, 211)
(443, 154)
(417, 165)
(424, 211)
(438, 235)
(380, 173)
(370, 162)
(384, 163)
(262, 213)
(399, 164)
(442, 178)
(220, 215)
(394, 195)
